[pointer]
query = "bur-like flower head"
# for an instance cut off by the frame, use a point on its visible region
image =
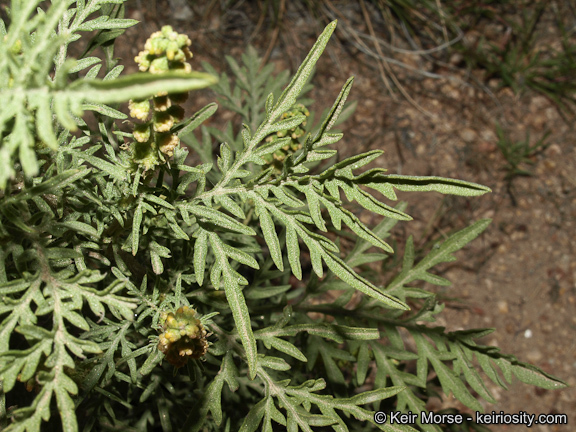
(184, 336)
(277, 158)
(167, 143)
(141, 132)
(165, 50)
(139, 109)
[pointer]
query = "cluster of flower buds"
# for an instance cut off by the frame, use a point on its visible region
(184, 336)
(164, 51)
(276, 159)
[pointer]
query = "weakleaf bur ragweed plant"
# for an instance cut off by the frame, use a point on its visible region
(140, 291)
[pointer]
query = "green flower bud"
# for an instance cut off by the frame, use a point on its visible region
(184, 67)
(159, 65)
(141, 132)
(167, 143)
(162, 103)
(165, 50)
(139, 109)
(171, 50)
(168, 32)
(145, 154)
(277, 158)
(158, 45)
(184, 336)
(162, 122)
(143, 60)
(183, 41)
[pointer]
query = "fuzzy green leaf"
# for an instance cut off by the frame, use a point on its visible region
(435, 256)
(270, 236)
(196, 120)
(293, 250)
(136, 222)
(437, 184)
(237, 303)
(207, 214)
(333, 114)
(344, 272)
(289, 95)
(533, 375)
(138, 86)
(200, 251)
(112, 170)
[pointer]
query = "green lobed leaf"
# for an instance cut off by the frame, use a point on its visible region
(200, 251)
(333, 114)
(208, 214)
(80, 227)
(84, 63)
(344, 272)
(137, 86)
(258, 293)
(269, 147)
(136, 222)
(285, 347)
(189, 125)
(533, 375)
(270, 235)
(106, 23)
(237, 304)
(286, 124)
(449, 380)
(115, 171)
(274, 363)
(240, 256)
(437, 184)
(293, 250)
(104, 110)
(230, 206)
(407, 399)
(437, 255)
(289, 95)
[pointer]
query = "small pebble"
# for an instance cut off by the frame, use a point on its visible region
(468, 135)
(534, 356)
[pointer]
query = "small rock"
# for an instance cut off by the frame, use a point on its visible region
(550, 165)
(456, 59)
(494, 83)
(534, 356)
(538, 103)
(539, 121)
(488, 135)
(503, 307)
(554, 149)
(181, 11)
(468, 135)
(487, 147)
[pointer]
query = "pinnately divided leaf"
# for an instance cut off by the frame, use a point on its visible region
(235, 297)
(437, 255)
(288, 97)
(316, 246)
